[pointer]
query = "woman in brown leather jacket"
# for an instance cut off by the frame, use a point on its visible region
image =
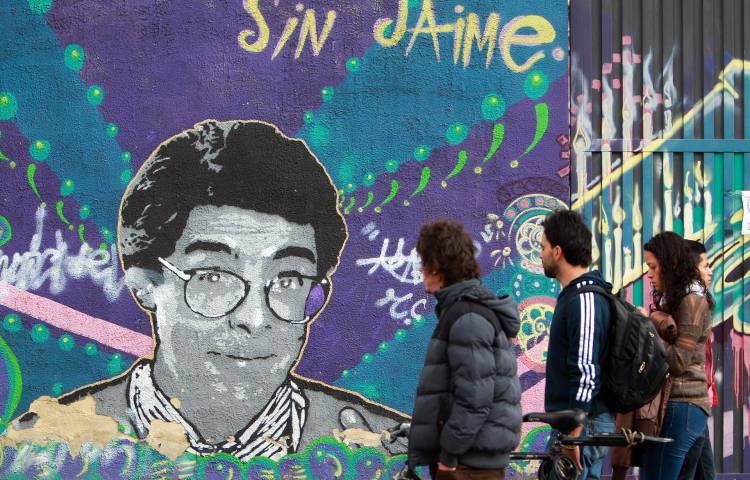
(687, 299)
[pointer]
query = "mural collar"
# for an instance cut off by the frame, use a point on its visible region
(273, 433)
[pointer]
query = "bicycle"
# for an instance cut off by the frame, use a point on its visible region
(553, 459)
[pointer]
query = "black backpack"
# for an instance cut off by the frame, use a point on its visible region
(636, 365)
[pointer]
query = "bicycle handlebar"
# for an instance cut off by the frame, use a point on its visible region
(564, 420)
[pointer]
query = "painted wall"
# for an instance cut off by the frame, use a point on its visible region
(411, 110)
(661, 141)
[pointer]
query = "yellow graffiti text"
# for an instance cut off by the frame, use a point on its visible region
(543, 33)
(528, 31)
(261, 35)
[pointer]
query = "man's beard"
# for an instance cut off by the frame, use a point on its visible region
(550, 270)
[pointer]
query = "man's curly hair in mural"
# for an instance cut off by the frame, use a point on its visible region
(245, 164)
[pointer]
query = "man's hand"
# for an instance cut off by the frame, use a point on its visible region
(443, 468)
(574, 452)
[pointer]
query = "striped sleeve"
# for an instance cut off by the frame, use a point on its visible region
(584, 328)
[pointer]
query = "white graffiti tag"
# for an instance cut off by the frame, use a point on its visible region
(31, 269)
(395, 301)
(404, 268)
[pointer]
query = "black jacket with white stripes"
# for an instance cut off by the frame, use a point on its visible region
(578, 343)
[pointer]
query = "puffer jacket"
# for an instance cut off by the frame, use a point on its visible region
(468, 405)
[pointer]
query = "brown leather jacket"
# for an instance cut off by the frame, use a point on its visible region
(648, 418)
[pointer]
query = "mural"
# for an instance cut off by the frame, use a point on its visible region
(208, 216)
(660, 125)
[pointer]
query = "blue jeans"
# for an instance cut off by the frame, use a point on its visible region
(592, 457)
(685, 424)
(699, 461)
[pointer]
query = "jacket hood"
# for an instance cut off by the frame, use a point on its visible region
(504, 307)
(593, 277)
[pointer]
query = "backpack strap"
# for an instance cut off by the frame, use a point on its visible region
(597, 289)
(613, 299)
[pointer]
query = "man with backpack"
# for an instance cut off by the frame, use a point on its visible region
(578, 335)
(467, 411)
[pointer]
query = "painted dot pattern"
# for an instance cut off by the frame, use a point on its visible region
(95, 95)
(493, 107)
(8, 105)
(39, 333)
(39, 149)
(12, 322)
(74, 57)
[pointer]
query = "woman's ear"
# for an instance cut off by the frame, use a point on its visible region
(141, 282)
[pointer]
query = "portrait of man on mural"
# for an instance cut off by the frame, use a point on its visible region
(229, 234)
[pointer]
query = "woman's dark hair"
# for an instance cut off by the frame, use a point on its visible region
(678, 269)
(445, 245)
(696, 247)
(245, 164)
(566, 229)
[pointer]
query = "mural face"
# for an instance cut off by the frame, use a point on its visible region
(203, 296)
(217, 305)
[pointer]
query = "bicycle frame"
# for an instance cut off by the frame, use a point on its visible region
(554, 459)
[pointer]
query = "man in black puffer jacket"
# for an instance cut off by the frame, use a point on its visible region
(467, 413)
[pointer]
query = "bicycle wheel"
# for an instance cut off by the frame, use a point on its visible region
(565, 468)
(545, 469)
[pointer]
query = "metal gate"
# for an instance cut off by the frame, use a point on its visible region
(660, 136)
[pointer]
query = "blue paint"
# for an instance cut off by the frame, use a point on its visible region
(627, 226)
(379, 107)
(390, 377)
(688, 174)
(52, 105)
(40, 363)
(708, 168)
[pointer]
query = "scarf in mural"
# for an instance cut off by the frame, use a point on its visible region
(273, 433)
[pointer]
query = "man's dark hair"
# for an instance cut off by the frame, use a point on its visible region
(446, 245)
(245, 164)
(567, 230)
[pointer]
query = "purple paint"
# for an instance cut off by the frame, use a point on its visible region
(144, 66)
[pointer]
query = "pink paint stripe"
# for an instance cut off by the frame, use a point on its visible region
(525, 362)
(521, 366)
(71, 320)
(532, 400)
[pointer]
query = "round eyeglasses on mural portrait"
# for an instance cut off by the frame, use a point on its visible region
(212, 293)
